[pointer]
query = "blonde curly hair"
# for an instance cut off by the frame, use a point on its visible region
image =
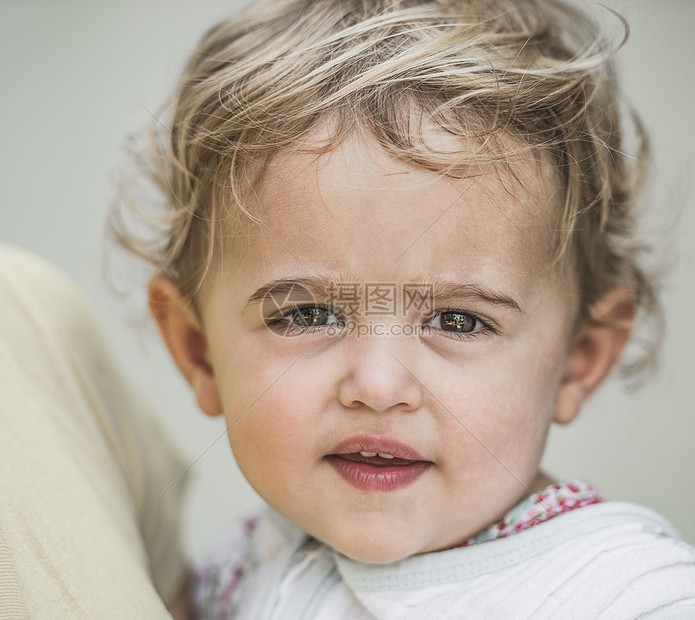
(532, 73)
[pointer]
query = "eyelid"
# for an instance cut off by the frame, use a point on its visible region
(283, 315)
(284, 312)
(488, 325)
(458, 310)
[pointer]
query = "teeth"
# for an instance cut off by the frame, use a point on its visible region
(381, 454)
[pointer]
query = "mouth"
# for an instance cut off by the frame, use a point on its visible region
(377, 463)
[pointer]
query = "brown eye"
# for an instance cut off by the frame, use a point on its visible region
(306, 320)
(309, 316)
(458, 322)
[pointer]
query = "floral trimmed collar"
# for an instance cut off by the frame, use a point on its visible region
(552, 501)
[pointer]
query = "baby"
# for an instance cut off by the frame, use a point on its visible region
(400, 243)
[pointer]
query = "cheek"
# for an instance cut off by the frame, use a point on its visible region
(275, 413)
(501, 410)
(269, 443)
(271, 423)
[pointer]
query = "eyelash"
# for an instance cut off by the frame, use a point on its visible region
(291, 329)
(486, 326)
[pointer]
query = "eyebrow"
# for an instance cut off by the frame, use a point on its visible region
(319, 285)
(444, 289)
(441, 289)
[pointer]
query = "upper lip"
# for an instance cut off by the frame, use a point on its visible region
(377, 443)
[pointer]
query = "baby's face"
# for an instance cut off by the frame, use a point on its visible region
(459, 383)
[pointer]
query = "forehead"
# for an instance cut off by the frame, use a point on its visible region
(357, 214)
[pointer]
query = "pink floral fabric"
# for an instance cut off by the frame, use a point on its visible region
(552, 501)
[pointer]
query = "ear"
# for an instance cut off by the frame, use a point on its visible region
(185, 338)
(595, 350)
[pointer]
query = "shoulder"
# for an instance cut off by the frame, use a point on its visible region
(616, 558)
(22, 271)
(217, 573)
(627, 556)
(43, 306)
(618, 525)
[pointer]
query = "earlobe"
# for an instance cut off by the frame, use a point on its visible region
(185, 338)
(595, 350)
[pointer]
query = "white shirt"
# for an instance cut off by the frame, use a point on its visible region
(612, 560)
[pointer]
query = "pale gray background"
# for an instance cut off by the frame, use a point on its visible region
(78, 76)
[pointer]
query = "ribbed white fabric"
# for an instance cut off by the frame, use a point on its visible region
(613, 560)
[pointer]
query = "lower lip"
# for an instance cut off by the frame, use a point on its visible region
(367, 477)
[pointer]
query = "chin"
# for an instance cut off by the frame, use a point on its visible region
(373, 550)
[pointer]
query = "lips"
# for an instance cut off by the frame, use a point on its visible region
(377, 460)
(374, 463)
(378, 444)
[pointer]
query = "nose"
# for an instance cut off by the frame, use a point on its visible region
(378, 376)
